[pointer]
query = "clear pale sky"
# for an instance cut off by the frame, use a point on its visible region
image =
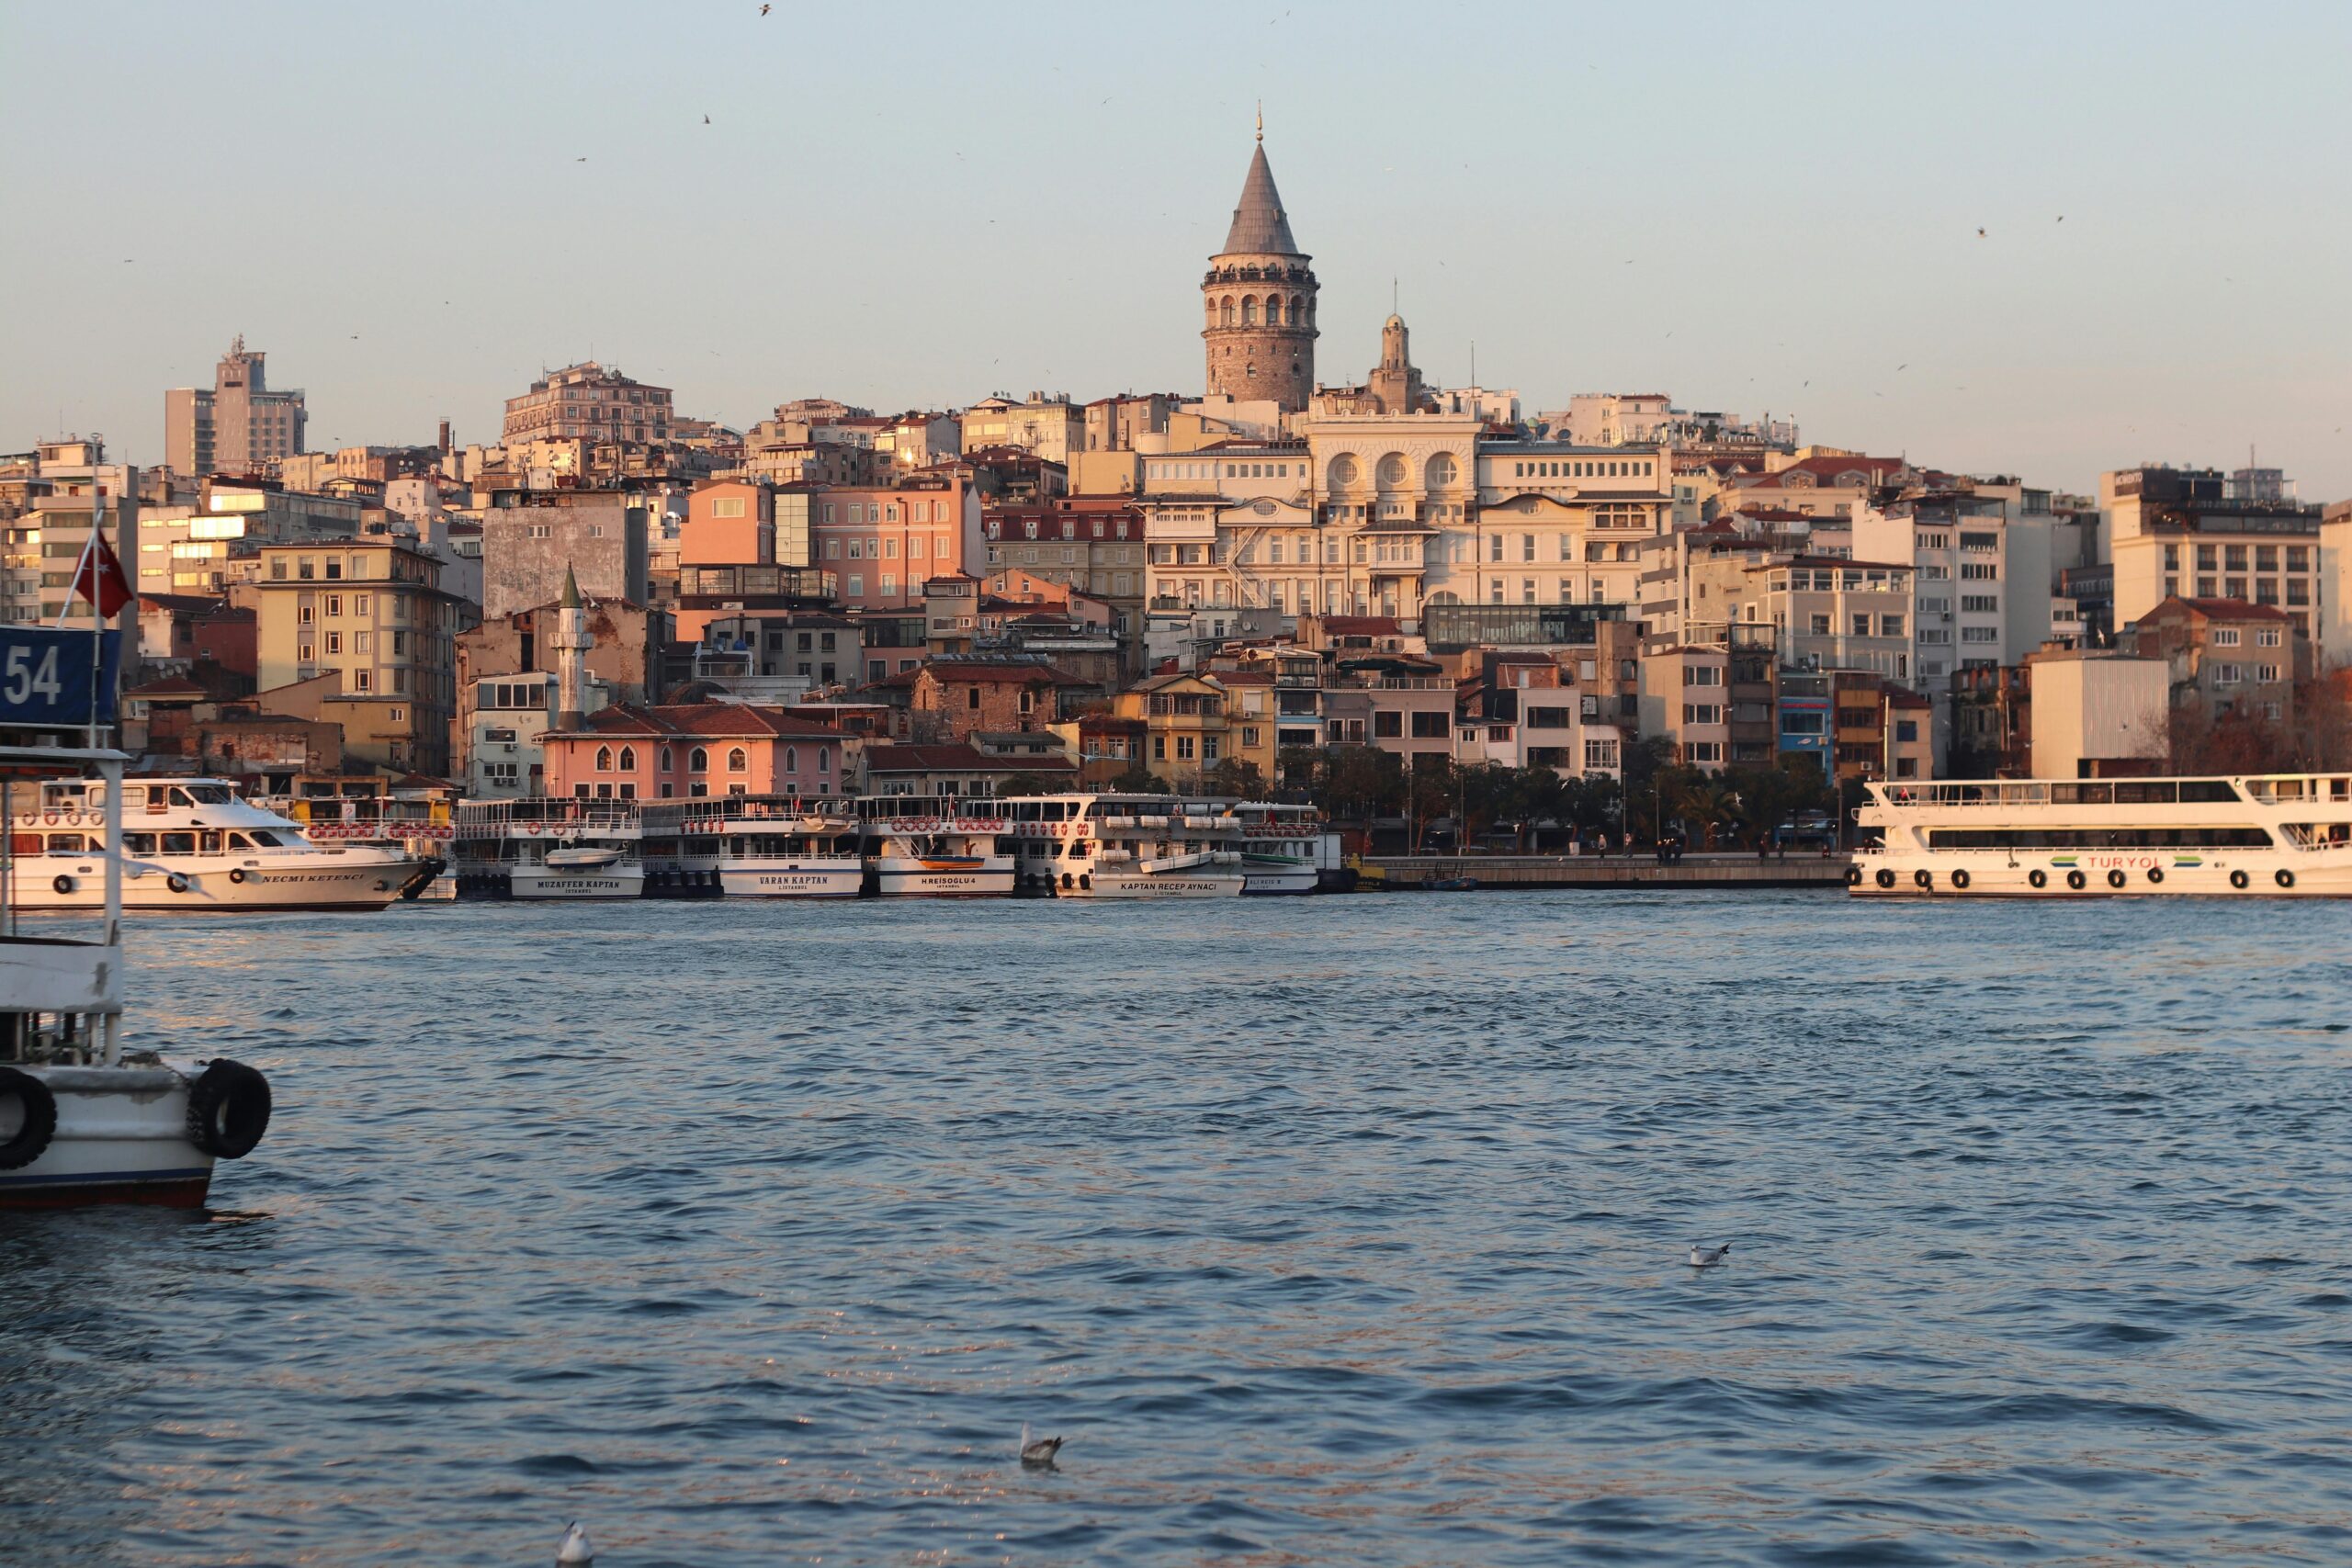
(1751, 208)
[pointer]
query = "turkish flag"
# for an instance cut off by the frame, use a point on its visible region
(101, 580)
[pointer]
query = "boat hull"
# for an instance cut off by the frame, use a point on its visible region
(792, 879)
(1174, 885)
(1278, 878)
(907, 879)
(225, 885)
(121, 1138)
(557, 882)
(2119, 875)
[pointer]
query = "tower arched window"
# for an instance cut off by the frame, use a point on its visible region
(698, 760)
(603, 759)
(792, 759)
(628, 759)
(738, 759)
(1273, 309)
(1225, 317)
(1250, 310)
(669, 758)
(1295, 308)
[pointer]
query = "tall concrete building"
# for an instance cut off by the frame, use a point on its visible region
(1260, 300)
(590, 402)
(240, 426)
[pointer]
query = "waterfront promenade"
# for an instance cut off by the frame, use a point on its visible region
(1529, 872)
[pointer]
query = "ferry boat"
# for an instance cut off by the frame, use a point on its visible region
(764, 846)
(936, 846)
(83, 1118)
(1284, 848)
(2283, 835)
(543, 848)
(192, 844)
(1126, 846)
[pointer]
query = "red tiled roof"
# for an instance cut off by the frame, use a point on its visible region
(2227, 609)
(958, 757)
(947, 671)
(723, 720)
(169, 686)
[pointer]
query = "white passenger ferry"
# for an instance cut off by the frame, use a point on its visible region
(192, 844)
(1126, 846)
(542, 848)
(936, 846)
(85, 1118)
(1284, 848)
(2282, 835)
(763, 846)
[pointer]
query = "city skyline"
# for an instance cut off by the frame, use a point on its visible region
(1666, 257)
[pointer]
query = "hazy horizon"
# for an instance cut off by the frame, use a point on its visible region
(923, 214)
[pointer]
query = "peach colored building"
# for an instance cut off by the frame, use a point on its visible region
(729, 522)
(882, 543)
(631, 752)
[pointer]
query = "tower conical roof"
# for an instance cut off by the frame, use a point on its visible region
(571, 600)
(1260, 227)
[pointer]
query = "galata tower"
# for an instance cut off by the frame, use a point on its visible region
(1260, 300)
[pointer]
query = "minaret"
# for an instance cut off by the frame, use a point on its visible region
(572, 644)
(1260, 299)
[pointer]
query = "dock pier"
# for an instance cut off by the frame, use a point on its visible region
(1410, 873)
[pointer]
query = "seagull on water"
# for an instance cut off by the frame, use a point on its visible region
(1039, 1452)
(575, 1551)
(1708, 1257)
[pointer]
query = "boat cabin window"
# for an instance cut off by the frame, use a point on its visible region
(139, 843)
(268, 838)
(65, 844)
(24, 843)
(211, 842)
(2239, 836)
(209, 794)
(179, 843)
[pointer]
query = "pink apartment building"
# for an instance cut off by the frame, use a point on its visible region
(631, 752)
(882, 543)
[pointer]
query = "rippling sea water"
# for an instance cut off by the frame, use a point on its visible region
(1328, 1231)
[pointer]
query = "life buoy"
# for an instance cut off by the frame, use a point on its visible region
(37, 1124)
(2077, 881)
(2156, 874)
(236, 874)
(2037, 877)
(1923, 877)
(2238, 880)
(1853, 876)
(176, 882)
(1960, 879)
(2283, 877)
(2116, 878)
(50, 817)
(73, 819)
(64, 884)
(228, 1109)
(1885, 878)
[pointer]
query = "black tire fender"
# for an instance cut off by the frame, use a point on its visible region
(2037, 877)
(2239, 879)
(2116, 878)
(2077, 881)
(228, 1109)
(1923, 877)
(1960, 880)
(236, 874)
(1885, 878)
(2156, 874)
(63, 883)
(32, 1136)
(176, 882)
(1853, 876)
(2283, 877)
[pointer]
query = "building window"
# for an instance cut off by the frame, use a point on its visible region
(738, 760)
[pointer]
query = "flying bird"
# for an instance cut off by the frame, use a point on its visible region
(579, 160)
(2062, 217)
(1708, 1257)
(706, 120)
(764, 9)
(1980, 233)
(1039, 1453)
(1905, 366)
(575, 1551)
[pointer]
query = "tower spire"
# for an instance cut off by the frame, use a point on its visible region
(1261, 122)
